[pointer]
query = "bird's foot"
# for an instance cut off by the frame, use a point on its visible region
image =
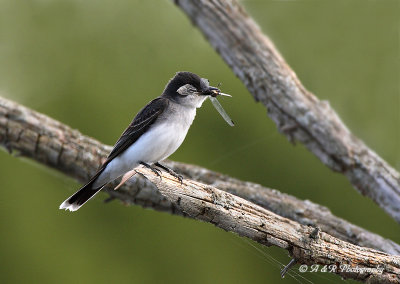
(153, 169)
(170, 171)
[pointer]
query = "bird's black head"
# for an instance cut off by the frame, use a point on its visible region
(189, 89)
(182, 79)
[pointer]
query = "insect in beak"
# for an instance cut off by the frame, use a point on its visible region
(214, 92)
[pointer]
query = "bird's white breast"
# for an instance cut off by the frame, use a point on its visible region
(161, 140)
(164, 137)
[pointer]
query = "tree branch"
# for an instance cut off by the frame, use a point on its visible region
(305, 244)
(48, 141)
(297, 113)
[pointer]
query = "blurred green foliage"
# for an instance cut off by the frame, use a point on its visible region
(94, 64)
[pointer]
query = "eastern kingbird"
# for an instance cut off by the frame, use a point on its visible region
(154, 134)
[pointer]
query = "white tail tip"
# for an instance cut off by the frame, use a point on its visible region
(67, 206)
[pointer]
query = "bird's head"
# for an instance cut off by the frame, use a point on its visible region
(189, 89)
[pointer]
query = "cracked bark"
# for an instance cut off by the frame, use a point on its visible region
(298, 114)
(304, 243)
(236, 206)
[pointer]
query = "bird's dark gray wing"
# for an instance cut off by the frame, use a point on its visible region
(143, 120)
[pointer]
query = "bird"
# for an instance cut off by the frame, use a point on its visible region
(154, 134)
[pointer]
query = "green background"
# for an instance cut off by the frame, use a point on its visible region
(94, 64)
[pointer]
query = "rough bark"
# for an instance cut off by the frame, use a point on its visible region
(34, 135)
(305, 244)
(297, 113)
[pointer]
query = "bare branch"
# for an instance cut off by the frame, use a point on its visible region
(297, 113)
(50, 142)
(235, 214)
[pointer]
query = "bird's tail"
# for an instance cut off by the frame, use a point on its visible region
(79, 198)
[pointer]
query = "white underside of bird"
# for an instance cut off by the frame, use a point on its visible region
(153, 146)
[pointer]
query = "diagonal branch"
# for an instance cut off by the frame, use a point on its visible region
(297, 113)
(54, 144)
(306, 245)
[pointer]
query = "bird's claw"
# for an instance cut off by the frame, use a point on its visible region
(171, 172)
(177, 176)
(153, 169)
(156, 171)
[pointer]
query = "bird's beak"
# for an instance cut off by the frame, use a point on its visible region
(212, 91)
